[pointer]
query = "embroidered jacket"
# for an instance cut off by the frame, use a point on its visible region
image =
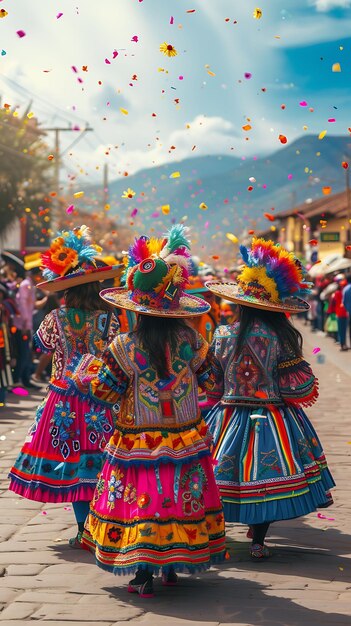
(69, 333)
(125, 375)
(261, 374)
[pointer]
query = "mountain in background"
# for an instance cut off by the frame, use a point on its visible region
(286, 178)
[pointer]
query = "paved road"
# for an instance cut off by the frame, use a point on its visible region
(307, 582)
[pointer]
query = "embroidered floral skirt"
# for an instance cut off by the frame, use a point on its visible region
(269, 463)
(62, 454)
(156, 504)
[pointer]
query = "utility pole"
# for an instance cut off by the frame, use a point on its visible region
(57, 164)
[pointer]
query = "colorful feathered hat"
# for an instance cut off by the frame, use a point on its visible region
(272, 278)
(72, 260)
(156, 274)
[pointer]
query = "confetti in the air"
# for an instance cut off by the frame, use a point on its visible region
(168, 50)
(130, 193)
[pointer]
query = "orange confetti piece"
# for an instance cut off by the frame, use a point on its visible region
(246, 127)
(282, 139)
(165, 209)
(336, 67)
(211, 73)
(50, 157)
(269, 217)
(326, 190)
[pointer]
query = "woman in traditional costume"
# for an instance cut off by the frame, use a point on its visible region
(62, 453)
(156, 505)
(269, 463)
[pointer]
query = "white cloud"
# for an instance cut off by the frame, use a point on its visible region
(205, 136)
(328, 5)
(309, 30)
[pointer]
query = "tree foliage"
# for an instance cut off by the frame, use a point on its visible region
(24, 173)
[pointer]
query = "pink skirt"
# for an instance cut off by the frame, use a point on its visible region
(155, 515)
(62, 453)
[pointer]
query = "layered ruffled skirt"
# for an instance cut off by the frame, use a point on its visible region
(269, 463)
(156, 504)
(62, 454)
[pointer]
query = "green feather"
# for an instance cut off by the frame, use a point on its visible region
(176, 238)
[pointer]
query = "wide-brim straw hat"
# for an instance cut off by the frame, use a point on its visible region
(189, 306)
(82, 277)
(233, 291)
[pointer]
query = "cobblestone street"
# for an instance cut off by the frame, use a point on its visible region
(307, 582)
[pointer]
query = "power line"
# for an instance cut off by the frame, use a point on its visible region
(28, 93)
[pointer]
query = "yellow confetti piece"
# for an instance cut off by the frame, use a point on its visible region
(336, 67)
(211, 73)
(30, 115)
(175, 175)
(322, 134)
(203, 206)
(124, 111)
(232, 238)
(78, 194)
(165, 209)
(257, 14)
(107, 207)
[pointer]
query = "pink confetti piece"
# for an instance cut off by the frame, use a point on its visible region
(134, 213)
(332, 119)
(155, 214)
(114, 54)
(59, 15)
(74, 69)
(207, 224)
(20, 33)
(135, 38)
(107, 62)
(19, 391)
(247, 75)
(290, 176)
(44, 512)
(316, 350)
(171, 21)
(181, 77)
(321, 516)
(70, 209)
(67, 508)
(303, 103)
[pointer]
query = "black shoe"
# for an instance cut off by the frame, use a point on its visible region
(142, 584)
(170, 579)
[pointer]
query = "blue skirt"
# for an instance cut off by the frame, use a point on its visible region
(269, 463)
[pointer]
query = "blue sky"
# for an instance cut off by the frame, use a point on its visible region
(287, 57)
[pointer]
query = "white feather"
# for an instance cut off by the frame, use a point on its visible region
(177, 259)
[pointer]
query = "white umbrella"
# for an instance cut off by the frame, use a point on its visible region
(319, 269)
(340, 264)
